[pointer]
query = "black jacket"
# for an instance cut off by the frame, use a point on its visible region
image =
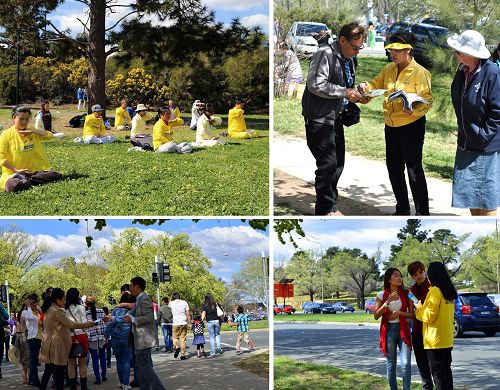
(477, 107)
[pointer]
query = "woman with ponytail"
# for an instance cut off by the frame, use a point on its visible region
(394, 307)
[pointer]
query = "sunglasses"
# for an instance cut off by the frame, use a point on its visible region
(356, 48)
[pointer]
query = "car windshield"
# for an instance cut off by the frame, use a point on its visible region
(476, 300)
(306, 29)
(438, 34)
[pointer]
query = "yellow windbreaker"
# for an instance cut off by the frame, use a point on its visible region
(22, 151)
(415, 79)
(236, 121)
(94, 126)
(176, 114)
(121, 117)
(162, 133)
(437, 315)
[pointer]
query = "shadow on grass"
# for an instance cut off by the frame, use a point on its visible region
(445, 172)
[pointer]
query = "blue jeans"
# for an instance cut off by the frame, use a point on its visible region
(34, 348)
(122, 354)
(98, 356)
(148, 380)
(167, 336)
(393, 341)
(214, 333)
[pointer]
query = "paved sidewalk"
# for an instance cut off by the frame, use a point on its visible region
(363, 181)
(218, 372)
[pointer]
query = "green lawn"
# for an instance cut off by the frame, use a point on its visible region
(252, 325)
(257, 364)
(106, 180)
(367, 137)
(339, 317)
(290, 374)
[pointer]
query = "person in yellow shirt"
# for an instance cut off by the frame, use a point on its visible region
(122, 116)
(237, 128)
(175, 114)
(404, 129)
(437, 315)
(163, 136)
(94, 131)
(23, 157)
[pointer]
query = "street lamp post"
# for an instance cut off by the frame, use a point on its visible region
(158, 285)
(266, 283)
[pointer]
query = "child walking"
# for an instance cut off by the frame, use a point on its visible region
(241, 321)
(198, 340)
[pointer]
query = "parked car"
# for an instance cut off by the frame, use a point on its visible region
(311, 307)
(327, 308)
(287, 309)
(343, 307)
(277, 309)
(370, 306)
(395, 27)
(300, 37)
(426, 34)
(475, 312)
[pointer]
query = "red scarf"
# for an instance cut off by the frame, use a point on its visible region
(404, 327)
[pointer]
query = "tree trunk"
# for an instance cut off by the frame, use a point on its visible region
(311, 295)
(97, 54)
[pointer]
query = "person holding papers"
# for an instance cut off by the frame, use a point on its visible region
(404, 127)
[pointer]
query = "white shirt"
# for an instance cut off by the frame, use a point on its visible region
(179, 309)
(205, 129)
(31, 322)
(76, 313)
(392, 306)
(139, 124)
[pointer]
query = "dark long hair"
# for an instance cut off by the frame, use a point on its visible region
(210, 301)
(387, 278)
(438, 276)
(93, 310)
(72, 297)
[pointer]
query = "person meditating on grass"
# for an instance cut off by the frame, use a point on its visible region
(94, 131)
(175, 114)
(43, 120)
(122, 116)
(23, 157)
(163, 141)
(139, 121)
(205, 129)
(237, 127)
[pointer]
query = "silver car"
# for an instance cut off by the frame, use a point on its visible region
(300, 37)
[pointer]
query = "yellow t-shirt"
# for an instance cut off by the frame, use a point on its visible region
(236, 121)
(94, 126)
(162, 133)
(121, 117)
(437, 315)
(414, 79)
(23, 152)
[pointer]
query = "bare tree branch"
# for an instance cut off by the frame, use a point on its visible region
(112, 50)
(119, 20)
(87, 3)
(85, 28)
(82, 46)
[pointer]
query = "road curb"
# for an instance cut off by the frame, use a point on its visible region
(367, 324)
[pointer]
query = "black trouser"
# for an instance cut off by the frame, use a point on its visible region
(440, 361)
(422, 362)
(403, 147)
(57, 371)
(18, 184)
(34, 348)
(327, 145)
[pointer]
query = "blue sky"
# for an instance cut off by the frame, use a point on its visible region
(366, 234)
(227, 242)
(251, 13)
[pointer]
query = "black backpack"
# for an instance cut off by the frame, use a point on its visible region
(77, 121)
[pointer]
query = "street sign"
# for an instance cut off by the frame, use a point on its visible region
(283, 290)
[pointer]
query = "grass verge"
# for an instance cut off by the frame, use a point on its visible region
(340, 317)
(252, 324)
(257, 364)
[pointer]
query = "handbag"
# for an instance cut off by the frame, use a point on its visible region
(351, 114)
(77, 349)
(220, 313)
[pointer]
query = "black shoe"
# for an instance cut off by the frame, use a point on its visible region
(97, 382)
(407, 213)
(134, 384)
(104, 379)
(83, 384)
(183, 357)
(177, 352)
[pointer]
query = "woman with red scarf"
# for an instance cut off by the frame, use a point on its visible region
(393, 305)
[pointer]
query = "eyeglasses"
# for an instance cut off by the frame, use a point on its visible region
(356, 48)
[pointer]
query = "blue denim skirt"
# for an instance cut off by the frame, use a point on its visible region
(476, 180)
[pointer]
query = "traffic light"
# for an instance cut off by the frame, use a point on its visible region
(3, 293)
(164, 270)
(155, 278)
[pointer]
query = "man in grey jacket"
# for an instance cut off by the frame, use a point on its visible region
(330, 85)
(165, 321)
(145, 335)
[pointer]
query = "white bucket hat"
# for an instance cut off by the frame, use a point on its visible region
(141, 107)
(470, 42)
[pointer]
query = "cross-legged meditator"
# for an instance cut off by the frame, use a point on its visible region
(237, 127)
(94, 131)
(163, 136)
(122, 116)
(205, 128)
(23, 157)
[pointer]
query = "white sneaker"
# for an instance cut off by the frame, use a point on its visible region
(126, 387)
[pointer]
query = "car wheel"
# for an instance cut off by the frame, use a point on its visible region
(490, 332)
(457, 329)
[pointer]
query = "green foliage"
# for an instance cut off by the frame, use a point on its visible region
(306, 271)
(411, 229)
(251, 280)
(288, 226)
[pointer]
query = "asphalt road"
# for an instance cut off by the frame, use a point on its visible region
(209, 373)
(476, 358)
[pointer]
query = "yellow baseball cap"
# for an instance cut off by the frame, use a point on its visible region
(398, 46)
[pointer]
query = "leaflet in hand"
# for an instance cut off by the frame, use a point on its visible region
(376, 92)
(408, 99)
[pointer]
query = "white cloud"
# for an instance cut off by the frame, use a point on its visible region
(256, 20)
(232, 5)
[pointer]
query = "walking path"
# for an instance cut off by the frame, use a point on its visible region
(364, 184)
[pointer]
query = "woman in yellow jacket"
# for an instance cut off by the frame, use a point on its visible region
(404, 129)
(437, 314)
(23, 157)
(237, 128)
(163, 136)
(175, 114)
(122, 117)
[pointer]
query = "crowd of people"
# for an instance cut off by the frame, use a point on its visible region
(68, 332)
(328, 106)
(430, 304)
(24, 160)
